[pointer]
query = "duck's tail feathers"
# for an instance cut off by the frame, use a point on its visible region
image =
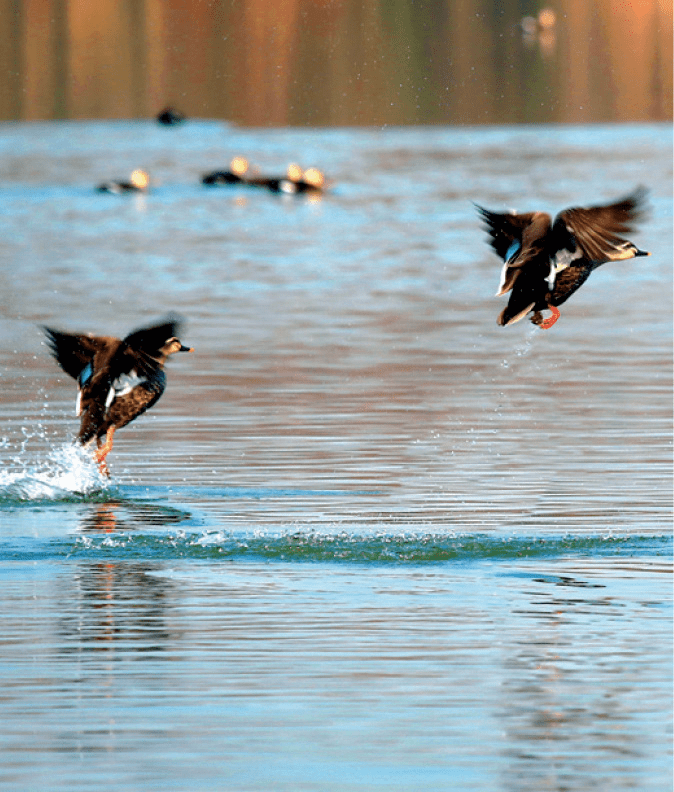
(509, 315)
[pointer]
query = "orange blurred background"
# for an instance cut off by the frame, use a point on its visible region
(338, 62)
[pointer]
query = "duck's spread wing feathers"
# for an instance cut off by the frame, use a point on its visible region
(151, 339)
(504, 229)
(73, 352)
(596, 230)
(510, 237)
(141, 348)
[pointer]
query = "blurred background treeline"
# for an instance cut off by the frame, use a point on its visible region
(338, 62)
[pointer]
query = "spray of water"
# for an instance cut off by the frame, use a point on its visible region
(66, 472)
(523, 348)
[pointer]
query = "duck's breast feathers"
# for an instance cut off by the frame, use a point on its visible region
(126, 387)
(75, 352)
(126, 407)
(125, 383)
(597, 230)
(566, 281)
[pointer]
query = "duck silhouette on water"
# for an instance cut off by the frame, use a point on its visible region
(238, 168)
(169, 116)
(139, 182)
(546, 261)
(117, 379)
(295, 181)
(312, 180)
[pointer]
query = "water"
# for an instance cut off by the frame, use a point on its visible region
(367, 539)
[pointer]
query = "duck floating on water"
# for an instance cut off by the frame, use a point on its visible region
(117, 379)
(236, 174)
(311, 181)
(279, 184)
(295, 181)
(169, 116)
(138, 182)
(546, 262)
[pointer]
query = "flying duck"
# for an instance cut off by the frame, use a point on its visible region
(236, 174)
(546, 261)
(138, 182)
(117, 380)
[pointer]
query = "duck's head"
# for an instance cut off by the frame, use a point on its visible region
(294, 172)
(314, 177)
(174, 345)
(239, 165)
(140, 179)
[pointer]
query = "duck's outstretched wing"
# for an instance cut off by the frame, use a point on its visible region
(596, 230)
(72, 351)
(505, 230)
(152, 339)
(516, 239)
(141, 348)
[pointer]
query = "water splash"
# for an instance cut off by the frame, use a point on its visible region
(383, 548)
(522, 349)
(68, 472)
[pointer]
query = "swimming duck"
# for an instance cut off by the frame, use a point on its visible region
(138, 182)
(117, 380)
(169, 116)
(236, 174)
(311, 180)
(288, 184)
(546, 262)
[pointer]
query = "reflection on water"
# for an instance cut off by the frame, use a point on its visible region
(435, 678)
(112, 516)
(339, 63)
(115, 608)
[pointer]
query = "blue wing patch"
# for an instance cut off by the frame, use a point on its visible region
(85, 375)
(513, 250)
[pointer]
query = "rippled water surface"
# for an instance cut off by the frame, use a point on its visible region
(367, 539)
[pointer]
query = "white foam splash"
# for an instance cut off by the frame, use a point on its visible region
(68, 471)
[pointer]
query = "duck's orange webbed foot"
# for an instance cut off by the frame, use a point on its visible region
(546, 324)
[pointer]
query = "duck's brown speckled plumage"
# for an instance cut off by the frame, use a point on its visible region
(546, 261)
(118, 379)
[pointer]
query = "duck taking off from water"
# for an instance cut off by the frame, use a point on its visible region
(117, 380)
(546, 261)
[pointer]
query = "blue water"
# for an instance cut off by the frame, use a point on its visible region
(367, 539)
